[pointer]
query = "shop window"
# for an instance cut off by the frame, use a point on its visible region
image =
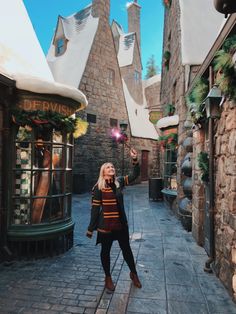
(170, 168)
(42, 176)
(91, 118)
(111, 77)
(60, 46)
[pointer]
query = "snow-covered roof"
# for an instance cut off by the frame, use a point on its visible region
(138, 117)
(167, 121)
(22, 58)
(126, 49)
(152, 80)
(79, 29)
(200, 24)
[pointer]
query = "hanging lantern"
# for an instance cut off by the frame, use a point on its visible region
(212, 103)
(225, 6)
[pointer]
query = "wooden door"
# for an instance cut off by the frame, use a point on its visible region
(144, 165)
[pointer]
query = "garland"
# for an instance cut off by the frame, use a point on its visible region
(195, 101)
(168, 141)
(203, 164)
(224, 65)
(48, 120)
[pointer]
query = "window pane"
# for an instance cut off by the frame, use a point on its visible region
(21, 211)
(91, 118)
(69, 157)
(68, 181)
(58, 182)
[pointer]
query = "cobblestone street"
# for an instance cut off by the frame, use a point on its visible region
(170, 266)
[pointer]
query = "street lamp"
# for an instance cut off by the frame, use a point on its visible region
(123, 127)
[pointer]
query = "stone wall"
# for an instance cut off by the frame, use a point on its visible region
(173, 80)
(225, 197)
(152, 94)
(105, 101)
(198, 200)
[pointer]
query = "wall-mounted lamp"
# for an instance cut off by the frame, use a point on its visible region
(225, 6)
(123, 126)
(212, 102)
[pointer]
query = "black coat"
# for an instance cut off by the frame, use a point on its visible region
(96, 220)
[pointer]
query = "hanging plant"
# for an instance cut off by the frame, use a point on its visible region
(203, 164)
(166, 59)
(169, 110)
(168, 141)
(167, 3)
(48, 120)
(195, 101)
(224, 65)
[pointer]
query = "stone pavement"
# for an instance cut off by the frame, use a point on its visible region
(169, 263)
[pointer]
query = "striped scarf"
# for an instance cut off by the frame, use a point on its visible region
(111, 212)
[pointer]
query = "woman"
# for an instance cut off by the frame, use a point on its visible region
(109, 219)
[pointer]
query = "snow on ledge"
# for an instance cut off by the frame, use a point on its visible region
(167, 121)
(38, 85)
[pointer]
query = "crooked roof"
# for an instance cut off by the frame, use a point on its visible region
(80, 30)
(126, 46)
(140, 124)
(22, 58)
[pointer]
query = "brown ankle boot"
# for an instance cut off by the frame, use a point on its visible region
(135, 279)
(109, 284)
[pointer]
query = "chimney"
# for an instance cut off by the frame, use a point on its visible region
(134, 20)
(101, 9)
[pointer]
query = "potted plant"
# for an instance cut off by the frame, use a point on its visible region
(169, 110)
(166, 59)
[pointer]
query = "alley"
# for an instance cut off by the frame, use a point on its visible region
(170, 266)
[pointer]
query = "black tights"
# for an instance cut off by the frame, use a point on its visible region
(123, 239)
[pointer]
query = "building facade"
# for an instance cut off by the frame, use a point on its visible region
(194, 79)
(114, 91)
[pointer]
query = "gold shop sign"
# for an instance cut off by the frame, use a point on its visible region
(45, 105)
(154, 116)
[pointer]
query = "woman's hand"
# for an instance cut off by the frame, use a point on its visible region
(133, 154)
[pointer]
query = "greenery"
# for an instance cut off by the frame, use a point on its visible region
(166, 59)
(168, 141)
(203, 164)
(167, 3)
(48, 120)
(169, 110)
(195, 100)
(224, 65)
(151, 67)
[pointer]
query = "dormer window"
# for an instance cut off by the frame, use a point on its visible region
(60, 46)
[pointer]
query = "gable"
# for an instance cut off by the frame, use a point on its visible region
(80, 30)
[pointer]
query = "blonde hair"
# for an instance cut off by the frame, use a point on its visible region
(101, 183)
